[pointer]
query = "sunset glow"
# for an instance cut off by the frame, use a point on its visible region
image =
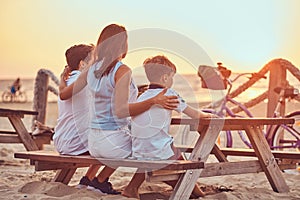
(244, 35)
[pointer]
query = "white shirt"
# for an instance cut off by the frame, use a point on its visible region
(150, 130)
(71, 131)
(102, 104)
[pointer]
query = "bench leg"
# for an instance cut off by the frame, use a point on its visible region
(25, 137)
(266, 158)
(202, 150)
(64, 175)
(219, 155)
(92, 171)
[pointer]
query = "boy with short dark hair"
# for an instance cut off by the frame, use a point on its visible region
(71, 131)
(150, 130)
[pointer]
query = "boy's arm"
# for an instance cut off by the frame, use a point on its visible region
(194, 113)
(66, 92)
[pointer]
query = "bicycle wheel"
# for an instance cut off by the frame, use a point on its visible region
(287, 137)
(6, 97)
(225, 139)
(22, 98)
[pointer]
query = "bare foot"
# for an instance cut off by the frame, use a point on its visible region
(131, 193)
(197, 195)
(197, 192)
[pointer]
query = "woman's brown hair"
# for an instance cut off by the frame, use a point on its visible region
(111, 46)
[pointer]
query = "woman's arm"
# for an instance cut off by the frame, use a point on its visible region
(125, 109)
(66, 92)
(194, 113)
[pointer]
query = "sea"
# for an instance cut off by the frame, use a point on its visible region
(188, 86)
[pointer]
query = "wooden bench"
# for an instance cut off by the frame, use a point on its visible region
(209, 130)
(21, 135)
(250, 153)
(243, 152)
(49, 160)
(284, 159)
(191, 170)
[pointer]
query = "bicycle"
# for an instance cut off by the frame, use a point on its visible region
(283, 137)
(9, 97)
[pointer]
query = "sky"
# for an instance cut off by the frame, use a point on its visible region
(244, 35)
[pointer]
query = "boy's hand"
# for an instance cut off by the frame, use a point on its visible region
(210, 115)
(167, 102)
(65, 74)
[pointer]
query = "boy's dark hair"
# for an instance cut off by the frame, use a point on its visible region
(157, 66)
(77, 53)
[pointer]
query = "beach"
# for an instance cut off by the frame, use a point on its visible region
(20, 181)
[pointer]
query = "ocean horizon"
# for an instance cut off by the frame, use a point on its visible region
(188, 86)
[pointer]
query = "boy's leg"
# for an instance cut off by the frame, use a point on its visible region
(132, 189)
(101, 182)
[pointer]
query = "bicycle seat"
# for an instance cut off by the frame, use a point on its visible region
(211, 78)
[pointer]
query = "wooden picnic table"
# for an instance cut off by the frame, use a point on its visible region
(209, 130)
(186, 172)
(21, 134)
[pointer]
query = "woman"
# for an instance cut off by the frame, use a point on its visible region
(114, 101)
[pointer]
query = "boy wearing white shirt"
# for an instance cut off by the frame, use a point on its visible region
(71, 131)
(150, 130)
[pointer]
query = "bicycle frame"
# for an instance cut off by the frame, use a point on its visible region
(224, 110)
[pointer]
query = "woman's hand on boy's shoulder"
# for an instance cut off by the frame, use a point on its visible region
(167, 102)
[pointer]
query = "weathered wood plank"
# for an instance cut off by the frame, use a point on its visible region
(219, 154)
(9, 138)
(64, 175)
(44, 165)
(202, 150)
(250, 153)
(232, 122)
(267, 160)
(247, 152)
(9, 132)
(47, 156)
(8, 112)
(215, 169)
(25, 137)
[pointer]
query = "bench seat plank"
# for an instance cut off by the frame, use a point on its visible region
(54, 157)
(8, 112)
(215, 169)
(248, 152)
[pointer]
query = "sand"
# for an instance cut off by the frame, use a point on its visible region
(20, 181)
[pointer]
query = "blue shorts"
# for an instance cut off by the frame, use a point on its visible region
(13, 90)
